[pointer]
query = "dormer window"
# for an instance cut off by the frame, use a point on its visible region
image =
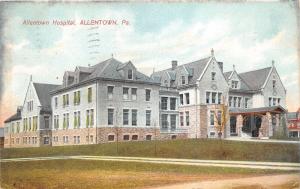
(183, 80)
(234, 84)
(213, 76)
(129, 76)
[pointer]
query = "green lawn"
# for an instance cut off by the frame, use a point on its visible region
(192, 149)
(78, 174)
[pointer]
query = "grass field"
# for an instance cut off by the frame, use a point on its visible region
(192, 149)
(77, 174)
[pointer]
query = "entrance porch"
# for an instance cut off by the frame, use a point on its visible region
(255, 122)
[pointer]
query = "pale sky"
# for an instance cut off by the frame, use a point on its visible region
(249, 35)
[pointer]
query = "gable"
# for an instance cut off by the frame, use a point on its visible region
(256, 79)
(31, 95)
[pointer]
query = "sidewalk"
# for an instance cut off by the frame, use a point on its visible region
(262, 140)
(193, 162)
(265, 182)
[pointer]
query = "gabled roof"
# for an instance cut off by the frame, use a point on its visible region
(227, 75)
(43, 93)
(255, 79)
(16, 116)
(194, 69)
(109, 69)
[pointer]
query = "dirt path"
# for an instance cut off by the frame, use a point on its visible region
(287, 181)
(193, 162)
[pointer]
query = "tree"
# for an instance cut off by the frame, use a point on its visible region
(221, 116)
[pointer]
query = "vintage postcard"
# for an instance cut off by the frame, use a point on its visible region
(149, 94)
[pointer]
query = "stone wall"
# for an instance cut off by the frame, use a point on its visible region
(70, 133)
(203, 121)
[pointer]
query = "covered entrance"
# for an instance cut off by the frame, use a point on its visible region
(255, 122)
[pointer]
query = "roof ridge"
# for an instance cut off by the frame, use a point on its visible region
(44, 83)
(255, 70)
(169, 69)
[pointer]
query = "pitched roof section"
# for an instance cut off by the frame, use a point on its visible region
(194, 69)
(108, 69)
(255, 79)
(16, 116)
(43, 92)
(227, 75)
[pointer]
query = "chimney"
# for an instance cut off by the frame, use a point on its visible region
(174, 64)
(221, 66)
(19, 108)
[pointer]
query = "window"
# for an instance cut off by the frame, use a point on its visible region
(274, 84)
(125, 137)
(75, 120)
(110, 116)
(234, 101)
(187, 98)
(64, 100)
(234, 84)
(92, 117)
(181, 99)
(134, 117)
(246, 102)
(90, 94)
(67, 99)
(29, 128)
(87, 139)
(55, 102)
(274, 101)
(46, 140)
(75, 139)
(148, 117)
(213, 76)
(56, 121)
(164, 121)
(89, 118)
(129, 74)
(78, 139)
(213, 99)
(239, 101)
(91, 138)
(230, 101)
(78, 119)
(207, 97)
(187, 118)
(278, 101)
(125, 93)
(172, 103)
(65, 139)
(148, 137)
(219, 117)
(134, 137)
(173, 137)
(181, 119)
(76, 97)
(66, 121)
(164, 103)
(29, 141)
(173, 121)
(18, 127)
(125, 116)
(148, 94)
(47, 123)
(133, 93)
(110, 91)
(219, 98)
(111, 137)
(212, 118)
(182, 80)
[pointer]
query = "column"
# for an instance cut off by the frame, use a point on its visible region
(239, 124)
